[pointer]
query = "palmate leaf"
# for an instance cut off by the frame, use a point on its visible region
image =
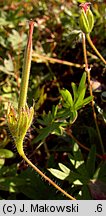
(78, 93)
(67, 113)
(67, 174)
(48, 118)
(79, 174)
(44, 132)
(78, 162)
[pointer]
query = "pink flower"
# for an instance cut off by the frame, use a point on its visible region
(85, 6)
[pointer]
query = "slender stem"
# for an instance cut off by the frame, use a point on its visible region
(26, 69)
(85, 51)
(95, 49)
(90, 89)
(47, 178)
(20, 150)
(36, 56)
(80, 144)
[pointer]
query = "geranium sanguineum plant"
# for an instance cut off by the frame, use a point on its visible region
(20, 120)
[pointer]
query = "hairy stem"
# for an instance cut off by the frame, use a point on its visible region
(95, 49)
(80, 144)
(90, 89)
(85, 51)
(46, 177)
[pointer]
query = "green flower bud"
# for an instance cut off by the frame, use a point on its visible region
(86, 21)
(90, 18)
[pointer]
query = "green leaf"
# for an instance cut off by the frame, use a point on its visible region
(75, 91)
(47, 118)
(83, 173)
(42, 122)
(101, 172)
(58, 174)
(64, 168)
(79, 101)
(87, 100)
(79, 165)
(64, 113)
(68, 101)
(85, 193)
(90, 164)
(54, 111)
(74, 178)
(36, 188)
(82, 83)
(44, 132)
(84, 102)
(5, 153)
(81, 92)
(2, 161)
(77, 152)
(73, 116)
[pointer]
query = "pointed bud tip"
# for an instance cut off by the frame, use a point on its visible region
(85, 6)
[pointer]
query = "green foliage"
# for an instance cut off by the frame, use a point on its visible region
(73, 105)
(5, 153)
(70, 106)
(16, 184)
(82, 173)
(51, 125)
